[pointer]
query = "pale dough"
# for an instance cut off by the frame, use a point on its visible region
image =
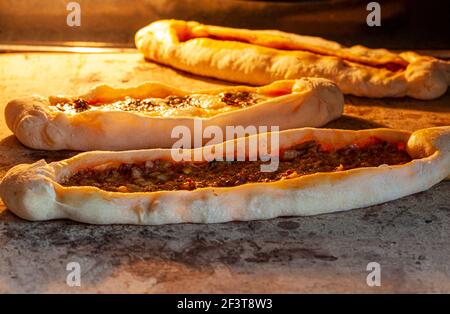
(260, 57)
(32, 191)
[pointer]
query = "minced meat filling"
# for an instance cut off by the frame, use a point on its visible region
(305, 158)
(234, 100)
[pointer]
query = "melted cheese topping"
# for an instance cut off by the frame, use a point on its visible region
(194, 105)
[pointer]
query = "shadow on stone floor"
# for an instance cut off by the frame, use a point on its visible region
(145, 63)
(10, 142)
(347, 122)
(440, 104)
(14, 153)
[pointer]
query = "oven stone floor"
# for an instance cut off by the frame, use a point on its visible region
(408, 237)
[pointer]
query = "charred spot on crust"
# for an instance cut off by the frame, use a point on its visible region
(176, 101)
(238, 99)
(78, 105)
(298, 160)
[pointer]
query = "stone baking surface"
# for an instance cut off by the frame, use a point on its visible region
(409, 237)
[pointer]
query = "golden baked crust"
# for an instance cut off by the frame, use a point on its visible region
(292, 103)
(34, 192)
(259, 57)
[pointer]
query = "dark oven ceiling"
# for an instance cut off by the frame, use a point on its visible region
(406, 24)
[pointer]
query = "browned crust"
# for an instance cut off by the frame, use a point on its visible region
(261, 56)
(33, 191)
(303, 102)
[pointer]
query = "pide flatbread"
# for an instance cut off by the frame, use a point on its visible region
(319, 171)
(108, 118)
(260, 57)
